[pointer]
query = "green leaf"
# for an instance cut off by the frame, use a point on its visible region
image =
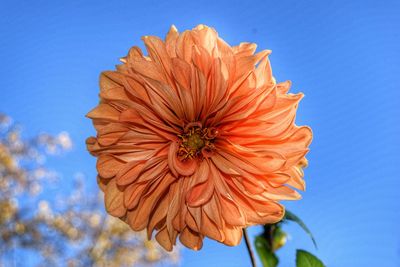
(267, 257)
(306, 259)
(292, 217)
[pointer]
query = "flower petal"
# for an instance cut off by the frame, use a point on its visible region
(163, 239)
(200, 194)
(196, 83)
(108, 166)
(114, 200)
(232, 213)
(104, 112)
(178, 167)
(191, 239)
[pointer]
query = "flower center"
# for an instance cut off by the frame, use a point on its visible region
(196, 142)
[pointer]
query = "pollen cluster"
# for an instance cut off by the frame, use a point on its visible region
(196, 142)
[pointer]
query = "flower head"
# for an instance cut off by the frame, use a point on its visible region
(197, 139)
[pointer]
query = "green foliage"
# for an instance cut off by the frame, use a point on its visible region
(267, 256)
(273, 238)
(306, 259)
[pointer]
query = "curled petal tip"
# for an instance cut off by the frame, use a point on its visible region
(173, 28)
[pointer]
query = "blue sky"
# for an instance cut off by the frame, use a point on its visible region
(344, 55)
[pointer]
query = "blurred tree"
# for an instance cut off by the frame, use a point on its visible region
(71, 231)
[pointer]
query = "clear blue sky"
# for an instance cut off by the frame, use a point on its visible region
(344, 55)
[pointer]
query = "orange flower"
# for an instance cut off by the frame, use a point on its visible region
(197, 139)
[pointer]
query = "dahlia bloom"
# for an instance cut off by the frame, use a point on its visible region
(197, 139)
